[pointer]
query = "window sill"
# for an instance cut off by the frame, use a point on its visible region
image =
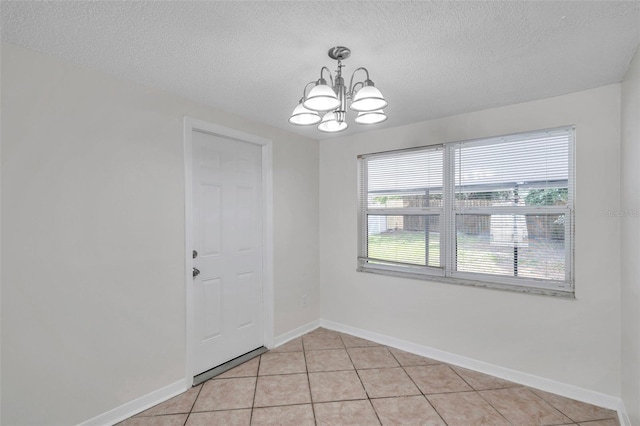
(565, 294)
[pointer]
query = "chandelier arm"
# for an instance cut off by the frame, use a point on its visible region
(355, 86)
(304, 91)
(353, 74)
(330, 76)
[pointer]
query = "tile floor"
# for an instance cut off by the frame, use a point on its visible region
(330, 378)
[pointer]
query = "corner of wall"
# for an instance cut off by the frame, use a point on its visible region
(630, 240)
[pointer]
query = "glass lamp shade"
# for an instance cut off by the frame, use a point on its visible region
(371, 117)
(321, 98)
(304, 117)
(329, 124)
(368, 99)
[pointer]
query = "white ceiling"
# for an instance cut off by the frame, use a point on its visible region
(429, 59)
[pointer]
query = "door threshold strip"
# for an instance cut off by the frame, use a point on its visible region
(222, 368)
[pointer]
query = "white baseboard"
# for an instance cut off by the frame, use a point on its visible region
(547, 385)
(137, 405)
(297, 332)
(623, 416)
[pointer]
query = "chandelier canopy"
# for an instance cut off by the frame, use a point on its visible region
(327, 104)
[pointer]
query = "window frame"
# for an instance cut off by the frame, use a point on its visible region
(448, 213)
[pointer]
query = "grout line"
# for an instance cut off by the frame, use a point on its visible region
(460, 375)
(219, 411)
(255, 389)
(306, 367)
(553, 405)
(194, 402)
(332, 401)
(550, 405)
(197, 396)
(418, 387)
(449, 393)
(491, 405)
(275, 374)
(374, 410)
(362, 384)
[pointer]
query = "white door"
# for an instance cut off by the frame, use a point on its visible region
(227, 236)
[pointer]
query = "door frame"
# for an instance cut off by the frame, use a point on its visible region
(194, 124)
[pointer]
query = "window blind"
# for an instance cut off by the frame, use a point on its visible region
(403, 208)
(512, 207)
(495, 210)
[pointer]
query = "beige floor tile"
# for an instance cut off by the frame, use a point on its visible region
(290, 415)
(576, 410)
(289, 389)
(466, 409)
(480, 381)
(170, 420)
(356, 342)
(336, 386)
(176, 405)
(282, 363)
(324, 332)
(322, 340)
(407, 359)
(437, 379)
(246, 369)
(378, 357)
(227, 418)
(608, 422)
(523, 407)
(294, 345)
(328, 360)
(386, 382)
(408, 410)
(321, 330)
(353, 413)
(226, 394)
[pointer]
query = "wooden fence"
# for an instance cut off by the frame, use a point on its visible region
(538, 226)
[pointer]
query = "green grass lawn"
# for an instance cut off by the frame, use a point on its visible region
(539, 259)
(405, 246)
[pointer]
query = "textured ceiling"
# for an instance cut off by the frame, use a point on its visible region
(429, 59)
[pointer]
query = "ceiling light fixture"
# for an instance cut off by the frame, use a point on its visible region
(327, 105)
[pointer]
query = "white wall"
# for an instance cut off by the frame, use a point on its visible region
(575, 342)
(296, 212)
(93, 306)
(631, 240)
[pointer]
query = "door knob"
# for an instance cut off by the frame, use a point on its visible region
(196, 272)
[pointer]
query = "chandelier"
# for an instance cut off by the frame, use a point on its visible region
(327, 105)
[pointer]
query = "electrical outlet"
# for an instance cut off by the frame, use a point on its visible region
(305, 301)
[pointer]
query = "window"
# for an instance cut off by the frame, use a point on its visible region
(494, 212)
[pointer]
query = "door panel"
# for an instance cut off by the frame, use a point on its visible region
(212, 309)
(245, 285)
(211, 221)
(245, 211)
